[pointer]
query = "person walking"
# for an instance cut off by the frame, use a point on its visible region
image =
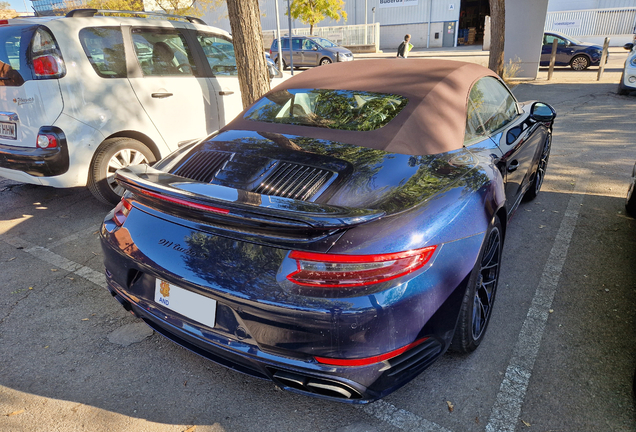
(405, 47)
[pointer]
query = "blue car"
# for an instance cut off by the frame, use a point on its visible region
(570, 52)
(341, 233)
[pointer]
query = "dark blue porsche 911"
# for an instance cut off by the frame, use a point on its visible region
(341, 233)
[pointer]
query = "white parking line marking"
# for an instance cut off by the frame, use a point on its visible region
(57, 261)
(505, 413)
(87, 232)
(400, 418)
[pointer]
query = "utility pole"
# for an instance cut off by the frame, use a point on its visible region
(278, 39)
(291, 54)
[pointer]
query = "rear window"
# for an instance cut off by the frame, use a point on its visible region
(332, 109)
(285, 43)
(104, 47)
(10, 60)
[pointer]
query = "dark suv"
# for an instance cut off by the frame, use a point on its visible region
(310, 51)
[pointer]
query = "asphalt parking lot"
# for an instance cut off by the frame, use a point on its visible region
(559, 355)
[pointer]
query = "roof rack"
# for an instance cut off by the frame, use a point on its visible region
(83, 13)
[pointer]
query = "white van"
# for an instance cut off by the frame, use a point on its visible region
(84, 95)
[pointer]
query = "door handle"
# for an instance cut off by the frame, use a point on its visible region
(226, 92)
(513, 166)
(161, 95)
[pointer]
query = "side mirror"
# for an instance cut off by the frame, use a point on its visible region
(315, 48)
(542, 112)
(273, 71)
(628, 46)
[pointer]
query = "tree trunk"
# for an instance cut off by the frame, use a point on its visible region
(497, 36)
(245, 21)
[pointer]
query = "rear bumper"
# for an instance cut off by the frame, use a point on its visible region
(36, 161)
(356, 385)
(265, 326)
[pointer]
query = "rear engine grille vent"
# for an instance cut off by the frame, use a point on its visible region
(294, 181)
(203, 165)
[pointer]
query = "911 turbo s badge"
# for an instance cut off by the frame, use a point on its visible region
(179, 248)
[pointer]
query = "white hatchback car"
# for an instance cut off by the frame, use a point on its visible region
(627, 83)
(84, 95)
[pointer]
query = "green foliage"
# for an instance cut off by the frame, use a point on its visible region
(195, 8)
(5, 11)
(124, 5)
(312, 12)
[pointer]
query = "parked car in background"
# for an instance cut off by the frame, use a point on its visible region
(570, 52)
(84, 95)
(336, 239)
(627, 83)
(309, 51)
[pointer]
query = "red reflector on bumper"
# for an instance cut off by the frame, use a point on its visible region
(369, 360)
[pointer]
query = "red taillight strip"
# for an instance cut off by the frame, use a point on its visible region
(185, 202)
(336, 258)
(357, 277)
(369, 360)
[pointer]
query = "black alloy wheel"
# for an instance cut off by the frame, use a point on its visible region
(630, 201)
(539, 174)
(479, 298)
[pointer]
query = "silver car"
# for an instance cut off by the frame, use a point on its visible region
(309, 51)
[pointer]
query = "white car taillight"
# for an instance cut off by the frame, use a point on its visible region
(47, 141)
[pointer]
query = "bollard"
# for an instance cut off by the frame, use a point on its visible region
(601, 67)
(552, 58)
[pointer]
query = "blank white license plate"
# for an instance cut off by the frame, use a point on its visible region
(194, 306)
(7, 130)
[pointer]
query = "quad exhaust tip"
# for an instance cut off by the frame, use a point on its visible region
(319, 386)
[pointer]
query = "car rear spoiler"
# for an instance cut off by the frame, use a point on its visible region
(151, 185)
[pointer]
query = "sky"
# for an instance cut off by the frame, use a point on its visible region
(18, 5)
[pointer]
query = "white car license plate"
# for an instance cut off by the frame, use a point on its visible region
(194, 306)
(7, 130)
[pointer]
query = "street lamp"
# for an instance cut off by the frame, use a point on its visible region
(374, 34)
(366, 14)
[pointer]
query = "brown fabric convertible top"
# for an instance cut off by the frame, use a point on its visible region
(433, 121)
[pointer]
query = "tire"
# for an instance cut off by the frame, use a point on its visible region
(539, 174)
(580, 62)
(621, 89)
(479, 298)
(112, 154)
(325, 61)
(630, 201)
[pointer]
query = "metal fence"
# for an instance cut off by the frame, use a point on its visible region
(594, 22)
(350, 35)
